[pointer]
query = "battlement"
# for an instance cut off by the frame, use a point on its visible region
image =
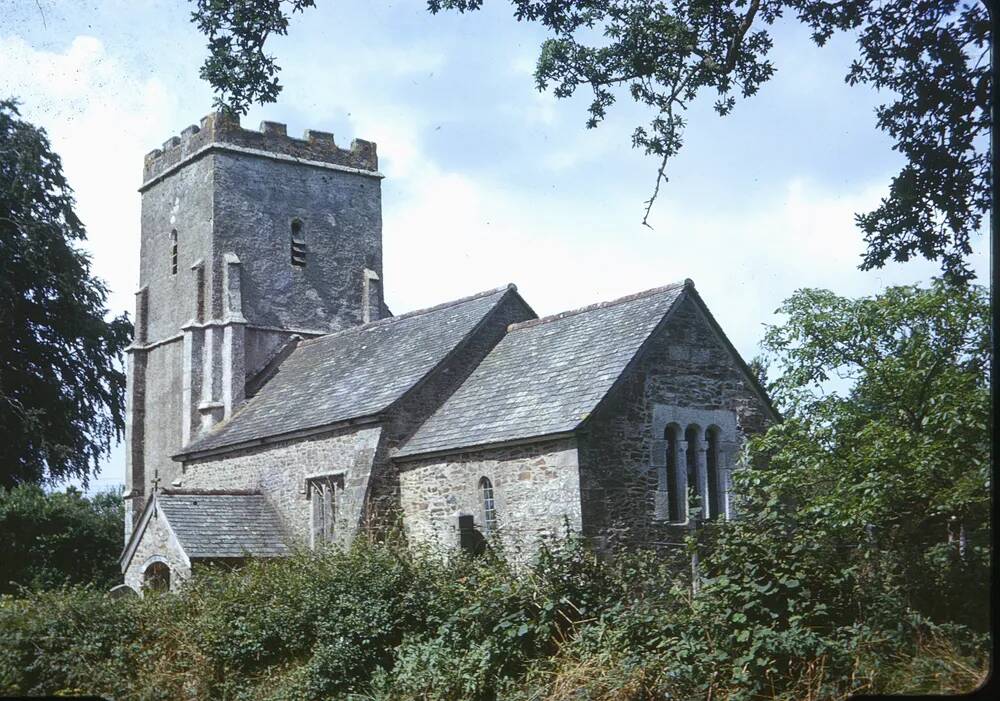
(272, 137)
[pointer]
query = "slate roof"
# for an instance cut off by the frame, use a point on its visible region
(545, 376)
(353, 373)
(223, 525)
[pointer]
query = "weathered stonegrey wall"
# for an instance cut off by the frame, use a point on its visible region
(227, 190)
(158, 544)
(164, 379)
(256, 201)
(280, 470)
(409, 413)
(685, 371)
(536, 488)
(183, 202)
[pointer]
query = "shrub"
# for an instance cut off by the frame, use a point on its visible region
(777, 616)
(59, 538)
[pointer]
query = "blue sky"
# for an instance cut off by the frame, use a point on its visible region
(488, 181)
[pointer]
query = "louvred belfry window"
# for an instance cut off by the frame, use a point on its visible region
(298, 244)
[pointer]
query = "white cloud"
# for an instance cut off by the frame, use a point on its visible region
(470, 235)
(100, 120)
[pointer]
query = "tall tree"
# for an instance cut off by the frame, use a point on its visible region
(931, 56)
(62, 389)
(59, 538)
(886, 433)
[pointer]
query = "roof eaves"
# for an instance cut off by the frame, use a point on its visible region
(478, 447)
(194, 453)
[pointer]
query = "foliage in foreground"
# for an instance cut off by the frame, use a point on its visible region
(931, 57)
(381, 622)
(62, 388)
(51, 539)
(859, 564)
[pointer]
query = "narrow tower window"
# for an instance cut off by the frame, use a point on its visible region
(489, 507)
(173, 252)
(298, 244)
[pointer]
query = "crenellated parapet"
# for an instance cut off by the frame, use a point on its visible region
(223, 129)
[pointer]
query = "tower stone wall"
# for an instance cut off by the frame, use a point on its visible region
(248, 238)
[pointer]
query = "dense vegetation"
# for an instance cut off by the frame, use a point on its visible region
(57, 538)
(792, 619)
(859, 564)
(62, 385)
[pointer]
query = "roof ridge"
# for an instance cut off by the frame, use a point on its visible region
(180, 492)
(416, 312)
(688, 283)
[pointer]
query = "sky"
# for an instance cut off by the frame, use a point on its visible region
(488, 180)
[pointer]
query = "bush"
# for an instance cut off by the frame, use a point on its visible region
(775, 617)
(52, 539)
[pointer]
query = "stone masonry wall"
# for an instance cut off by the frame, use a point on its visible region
(158, 544)
(684, 372)
(280, 470)
(536, 489)
(225, 190)
(256, 200)
(407, 415)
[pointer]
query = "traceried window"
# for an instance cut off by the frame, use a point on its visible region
(298, 244)
(489, 507)
(322, 492)
(173, 252)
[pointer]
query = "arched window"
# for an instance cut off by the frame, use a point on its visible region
(173, 252)
(298, 244)
(694, 476)
(716, 504)
(489, 507)
(675, 499)
(157, 577)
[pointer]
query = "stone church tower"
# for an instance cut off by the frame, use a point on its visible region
(251, 240)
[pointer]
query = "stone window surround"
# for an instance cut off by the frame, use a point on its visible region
(724, 420)
(473, 480)
(336, 480)
(488, 505)
(152, 560)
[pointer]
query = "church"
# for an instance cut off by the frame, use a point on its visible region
(274, 402)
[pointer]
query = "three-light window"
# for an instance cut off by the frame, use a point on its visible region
(323, 492)
(691, 481)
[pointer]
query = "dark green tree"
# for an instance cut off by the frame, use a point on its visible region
(59, 538)
(62, 388)
(931, 57)
(885, 443)
(237, 67)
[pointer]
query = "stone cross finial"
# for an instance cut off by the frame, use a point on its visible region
(156, 481)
